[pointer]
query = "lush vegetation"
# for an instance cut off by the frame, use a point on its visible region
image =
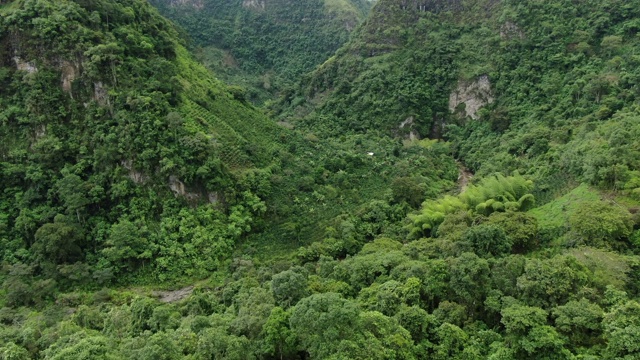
(563, 81)
(149, 211)
(264, 46)
(109, 118)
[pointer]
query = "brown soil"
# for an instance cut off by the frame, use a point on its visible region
(464, 177)
(174, 296)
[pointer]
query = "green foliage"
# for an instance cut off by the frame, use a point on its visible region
(126, 163)
(384, 338)
(493, 194)
(253, 307)
(11, 351)
(499, 193)
(553, 281)
(452, 342)
(605, 156)
(577, 318)
(385, 76)
(621, 330)
(157, 346)
(520, 228)
(408, 189)
(265, 47)
(488, 240)
(384, 298)
(469, 276)
(547, 99)
(59, 242)
(217, 343)
(598, 222)
(505, 273)
(417, 321)
(278, 337)
(553, 217)
(109, 176)
(127, 243)
(528, 322)
(90, 347)
(288, 287)
(334, 321)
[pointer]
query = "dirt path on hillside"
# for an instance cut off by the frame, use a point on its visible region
(173, 296)
(464, 176)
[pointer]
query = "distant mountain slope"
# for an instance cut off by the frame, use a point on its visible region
(539, 76)
(396, 72)
(265, 45)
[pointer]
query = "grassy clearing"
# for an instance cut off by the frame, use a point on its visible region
(555, 214)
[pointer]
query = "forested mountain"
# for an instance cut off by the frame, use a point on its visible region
(540, 77)
(460, 180)
(110, 127)
(265, 45)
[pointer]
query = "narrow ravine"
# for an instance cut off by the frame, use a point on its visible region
(464, 176)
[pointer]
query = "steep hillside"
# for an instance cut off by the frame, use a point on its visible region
(261, 45)
(394, 75)
(124, 161)
(110, 132)
(148, 211)
(539, 77)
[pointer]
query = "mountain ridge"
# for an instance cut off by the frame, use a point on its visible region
(265, 45)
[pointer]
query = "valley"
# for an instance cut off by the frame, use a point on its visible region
(335, 179)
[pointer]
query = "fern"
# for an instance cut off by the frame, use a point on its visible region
(493, 194)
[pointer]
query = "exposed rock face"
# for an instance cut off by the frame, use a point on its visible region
(430, 5)
(24, 65)
(254, 4)
(438, 6)
(474, 95)
(69, 74)
(41, 131)
(214, 198)
(408, 123)
(196, 4)
(100, 94)
(349, 25)
(136, 176)
(179, 189)
(509, 31)
(464, 177)
(174, 296)
(69, 70)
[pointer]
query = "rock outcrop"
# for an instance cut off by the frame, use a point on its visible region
(409, 123)
(473, 95)
(24, 65)
(509, 31)
(69, 74)
(254, 4)
(196, 4)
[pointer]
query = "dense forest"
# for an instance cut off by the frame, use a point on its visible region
(458, 180)
(265, 46)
